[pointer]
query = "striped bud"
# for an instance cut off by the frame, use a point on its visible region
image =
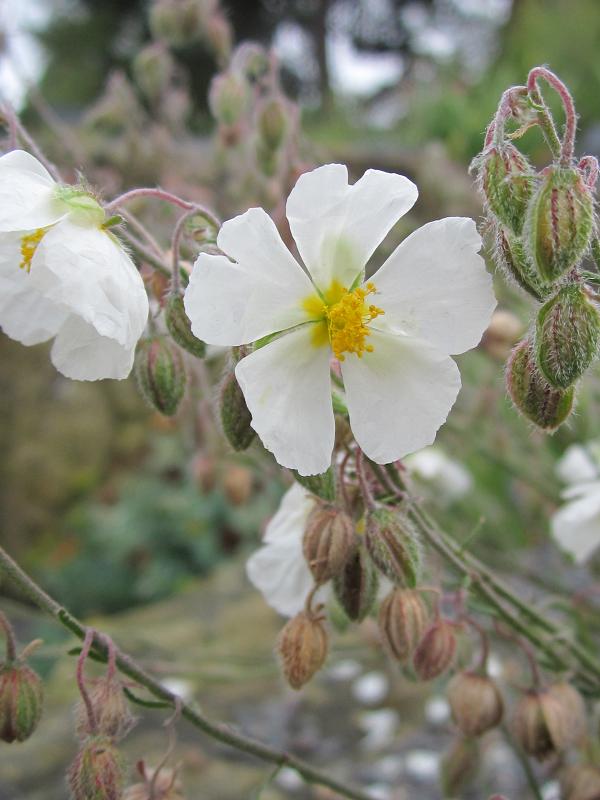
(511, 256)
(21, 701)
(177, 22)
(459, 766)
(580, 782)
(153, 68)
(547, 721)
(160, 374)
(559, 222)
(329, 541)
(322, 485)
(302, 648)
(97, 773)
(403, 618)
(235, 416)
(227, 98)
(356, 586)
(272, 123)
(179, 326)
(538, 401)
(112, 715)
(436, 650)
(506, 179)
(475, 702)
(567, 335)
(394, 546)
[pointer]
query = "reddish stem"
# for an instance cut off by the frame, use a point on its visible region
(362, 480)
(85, 650)
(11, 647)
(568, 142)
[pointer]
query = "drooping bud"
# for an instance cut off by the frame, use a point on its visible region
(436, 650)
(272, 123)
(112, 715)
(251, 60)
(559, 222)
(237, 484)
(356, 586)
(165, 785)
(403, 618)
(475, 702)
(549, 720)
(506, 179)
(227, 98)
(329, 541)
(97, 773)
(235, 416)
(322, 485)
(567, 335)
(160, 374)
(219, 34)
(542, 404)
(21, 701)
(511, 255)
(178, 22)
(459, 766)
(580, 782)
(394, 546)
(302, 648)
(153, 69)
(179, 326)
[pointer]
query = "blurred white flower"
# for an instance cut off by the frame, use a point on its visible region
(371, 688)
(64, 276)
(578, 464)
(576, 525)
(449, 478)
(393, 335)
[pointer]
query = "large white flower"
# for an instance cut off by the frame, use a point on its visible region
(576, 525)
(64, 276)
(392, 335)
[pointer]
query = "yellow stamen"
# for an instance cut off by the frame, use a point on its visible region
(29, 244)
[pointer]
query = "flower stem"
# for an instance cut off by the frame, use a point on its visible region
(85, 651)
(11, 647)
(563, 150)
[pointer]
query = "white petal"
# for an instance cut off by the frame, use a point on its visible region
(576, 526)
(85, 270)
(398, 395)
(435, 286)
(287, 388)
(80, 353)
(576, 465)
(290, 518)
(337, 227)
(25, 315)
(27, 194)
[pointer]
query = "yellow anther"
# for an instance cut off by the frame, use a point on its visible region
(348, 321)
(29, 244)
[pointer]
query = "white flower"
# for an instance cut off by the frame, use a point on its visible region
(393, 335)
(578, 464)
(450, 479)
(576, 525)
(64, 276)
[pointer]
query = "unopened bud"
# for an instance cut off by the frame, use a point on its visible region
(272, 122)
(459, 766)
(356, 586)
(506, 179)
(580, 782)
(560, 222)
(329, 541)
(179, 326)
(302, 648)
(567, 335)
(165, 785)
(112, 715)
(251, 60)
(97, 773)
(322, 485)
(403, 618)
(235, 416)
(227, 98)
(153, 69)
(512, 257)
(237, 484)
(549, 720)
(21, 701)
(436, 650)
(160, 374)
(475, 702)
(266, 158)
(543, 404)
(394, 546)
(219, 34)
(178, 22)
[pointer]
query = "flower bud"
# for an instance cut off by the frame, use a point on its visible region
(567, 335)
(112, 715)
(435, 652)
(329, 541)
(512, 257)
(560, 222)
(322, 485)
(227, 98)
(180, 327)
(21, 701)
(153, 69)
(580, 782)
(394, 546)
(549, 720)
(506, 179)
(251, 60)
(266, 158)
(160, 374)
(302, 648)
(403, 618)
(459, 766)
(272, 123)
(356, 586)
(178, 22)
(235, 416)
(97, 773)
(475, 702)
(219, 34)
(542, 404)
(237, 484)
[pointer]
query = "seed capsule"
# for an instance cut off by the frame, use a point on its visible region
(21, 701)
(475, 702)
(549, 720)
(97, 772)
(403, 618)
(329, 541)
(235, 416)
(580, 782)
(302, 647)
(179, 326)
(394, 546)
(436, 650)
(322, 485)
(506, 179)
(160, 374)
(356, 586)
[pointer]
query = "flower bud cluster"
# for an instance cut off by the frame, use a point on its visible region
(21, 691)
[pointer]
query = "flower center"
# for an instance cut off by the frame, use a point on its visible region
(29, 244)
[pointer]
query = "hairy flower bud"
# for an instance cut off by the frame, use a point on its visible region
(160, 374)
(21, 701)
(436, 650)
(322, 485)
(475, 702)
(227, 98)
(219, 34)
(235, 416)
(329, 541)
(506, 179)
(459, 765)
(178, 22)
(272, 123)
(580, 782)
(549, 720)
(356, 586)
(97, 773)
(511, 255)
(567, 335)
(153, 69)
(394, 546)
(531, 393)
(180, 327)
(302, 648)
(403, 618)
(560, 222)
(112, 715)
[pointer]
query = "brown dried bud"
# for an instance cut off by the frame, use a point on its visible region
(403, 618)
(459, 765)
(475, 702)
(329, 541)
(580, 782)
(302, 647)
(549, 720)
(97, 771)
(394, 546)
(21, 701)
(356, 585)
(112, 715)
(237, 484)
(436, 650)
